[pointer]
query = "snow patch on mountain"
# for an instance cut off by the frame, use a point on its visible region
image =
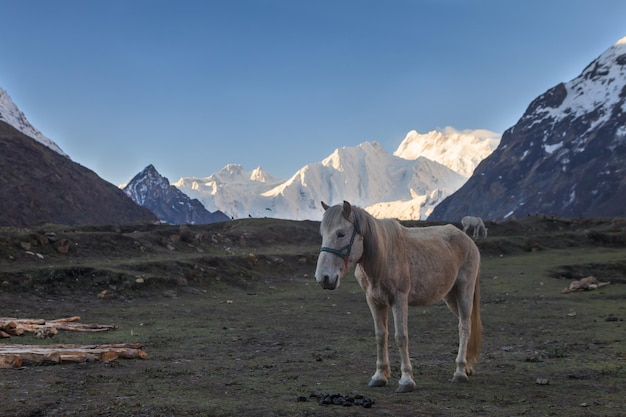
(11, 114)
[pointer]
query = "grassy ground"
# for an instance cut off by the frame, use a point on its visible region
(234, 324)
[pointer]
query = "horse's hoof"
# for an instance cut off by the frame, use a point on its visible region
(405, 388)
(377, 383)
(458, 377)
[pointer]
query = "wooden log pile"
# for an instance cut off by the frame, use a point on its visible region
(14, 356)
(47, 328)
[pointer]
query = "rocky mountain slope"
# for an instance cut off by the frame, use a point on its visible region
(151, 190)
(41, 185)
(566, 156)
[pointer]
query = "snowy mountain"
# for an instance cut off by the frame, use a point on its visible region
(459, 151)
(232, 190)
(565, 156)
(387, 185)
(151, 190)
(10, 114)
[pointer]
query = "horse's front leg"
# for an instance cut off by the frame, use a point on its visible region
(400, 319)
(383, 369)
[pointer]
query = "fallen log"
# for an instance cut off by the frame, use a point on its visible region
(584, 284)
(48, 328)
(14, 356)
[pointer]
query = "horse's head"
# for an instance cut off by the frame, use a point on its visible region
(342, 244)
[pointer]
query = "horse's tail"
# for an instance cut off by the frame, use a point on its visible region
(476, 333)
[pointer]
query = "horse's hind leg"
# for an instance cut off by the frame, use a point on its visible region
(460, 304)
(383, 368)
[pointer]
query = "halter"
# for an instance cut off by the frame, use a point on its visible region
(344, 252)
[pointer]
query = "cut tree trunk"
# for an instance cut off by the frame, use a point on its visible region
(47, 328)
(14, 356)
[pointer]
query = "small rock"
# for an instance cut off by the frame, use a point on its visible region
(542, 381)
(170, 294)
(105, 294)
(63, 246)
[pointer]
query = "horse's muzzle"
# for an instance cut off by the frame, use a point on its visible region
(327, 283)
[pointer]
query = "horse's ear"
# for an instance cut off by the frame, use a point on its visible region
(325, 206)
(347, 209)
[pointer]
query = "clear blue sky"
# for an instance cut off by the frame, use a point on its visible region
(190, 86)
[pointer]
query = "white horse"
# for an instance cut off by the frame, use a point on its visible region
(398, 266)
(476, 223)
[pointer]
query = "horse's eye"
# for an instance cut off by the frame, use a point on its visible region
(341, 234)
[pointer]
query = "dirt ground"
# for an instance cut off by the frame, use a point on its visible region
(234, 324)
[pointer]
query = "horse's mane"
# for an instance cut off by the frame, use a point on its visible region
(382, 237)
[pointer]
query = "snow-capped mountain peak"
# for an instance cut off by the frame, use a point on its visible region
(11, 114)
(153, 191)
(565, 156)
(260, 175)
(460, 151)
(595, 91)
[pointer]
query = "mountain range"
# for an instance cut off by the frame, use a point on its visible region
(564, 157)
(405, 185)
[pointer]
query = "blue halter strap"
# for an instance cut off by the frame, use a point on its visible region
(344, 252)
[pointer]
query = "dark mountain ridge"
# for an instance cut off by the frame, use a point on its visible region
(566, 156)
(38, 185)
(153, 191)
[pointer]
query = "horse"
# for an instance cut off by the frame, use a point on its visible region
(476, 223)
(398, 267)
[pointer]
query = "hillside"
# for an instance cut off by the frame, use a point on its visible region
(39, 185)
